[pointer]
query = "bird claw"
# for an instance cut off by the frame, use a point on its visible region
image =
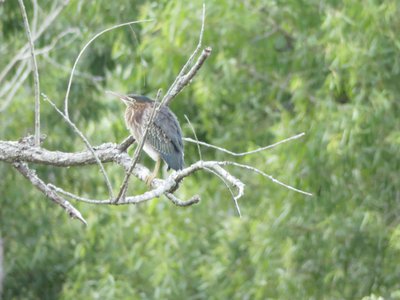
(149, 179)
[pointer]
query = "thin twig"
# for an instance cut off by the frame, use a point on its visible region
(229, 189)
(10, 84)
(35, 73)
(16, 85)
(185, 79)
(95, 79)
(248, 152)
(175, 200)
(233, 180)
(195, 136)
(81, 53)
(39, 184)
(86, 141)
(265, 175)
(54, 42)
(191, 58)
(46, 23)
(76, 197)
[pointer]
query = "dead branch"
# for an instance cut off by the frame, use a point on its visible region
(186, 78)
(183, 79)
(247, 152)
(87, 143)
(45, 189)
(20, 153)
(15, 84)
(22, 52)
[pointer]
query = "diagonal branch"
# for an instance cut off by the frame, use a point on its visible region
(45, 189)
(195, 136)
(46, 24)
(234, 198)
(183, 79)
(15, 84)
(87, 143)
(192, 56)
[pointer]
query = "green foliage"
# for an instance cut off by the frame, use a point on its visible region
(330, 69)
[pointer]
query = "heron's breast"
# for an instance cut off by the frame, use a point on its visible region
(134, 120)
(151, 151)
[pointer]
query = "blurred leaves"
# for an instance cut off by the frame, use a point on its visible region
(330, 69)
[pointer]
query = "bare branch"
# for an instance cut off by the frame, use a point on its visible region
(10, 88)
(46, 24)
(52, 45)
(35, 73)
(234, 181)
(81, 53)
(247, 167)
(12, 151)
(248, 152)
(229, 189)
(126, 143)
(8, 85)
(195, 136)
(20, 79)
(184, 80)
(194, 200)
(192, 56)
(76, 197)
(38, 183)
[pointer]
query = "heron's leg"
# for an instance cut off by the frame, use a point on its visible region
(154, 174)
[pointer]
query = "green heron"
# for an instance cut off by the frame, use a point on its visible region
(164, 136)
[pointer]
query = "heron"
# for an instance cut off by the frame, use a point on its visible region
(164, 136)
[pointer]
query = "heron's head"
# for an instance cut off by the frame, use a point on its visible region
(127, 99)
(130, 98)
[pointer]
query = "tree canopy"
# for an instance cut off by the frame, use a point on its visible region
(330, 69)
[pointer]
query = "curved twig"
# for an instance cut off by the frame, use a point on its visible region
(81, 53)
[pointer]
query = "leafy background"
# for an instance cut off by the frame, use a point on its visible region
(328, 68)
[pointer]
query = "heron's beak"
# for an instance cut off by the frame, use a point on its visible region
(126, 99)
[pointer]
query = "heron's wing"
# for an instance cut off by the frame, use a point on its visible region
(165, 136)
